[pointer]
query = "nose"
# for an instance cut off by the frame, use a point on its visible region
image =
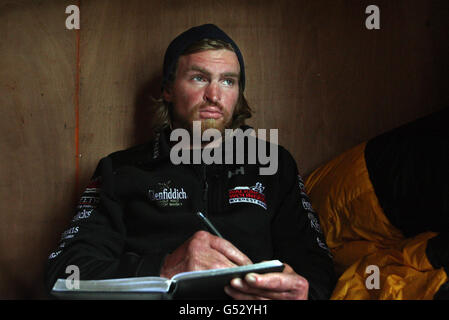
(212, 93)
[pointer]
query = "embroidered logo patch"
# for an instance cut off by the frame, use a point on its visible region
(165, 195)
(249, 195)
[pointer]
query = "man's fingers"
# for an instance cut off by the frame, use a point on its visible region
(277, 281)
(271, 286)
(202, 251)
(256, 293)
(240, 290)
(229, 251)
(240, 295)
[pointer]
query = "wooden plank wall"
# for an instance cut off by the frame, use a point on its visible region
(37, 172)
(70, 97)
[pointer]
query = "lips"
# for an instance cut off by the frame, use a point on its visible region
(210, 113)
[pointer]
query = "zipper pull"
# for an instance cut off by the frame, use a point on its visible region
(205, 188)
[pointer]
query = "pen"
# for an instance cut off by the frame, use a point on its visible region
(209, 224)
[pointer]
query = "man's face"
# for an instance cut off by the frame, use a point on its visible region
(206, 88)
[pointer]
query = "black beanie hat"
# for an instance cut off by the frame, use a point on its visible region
(195, 34)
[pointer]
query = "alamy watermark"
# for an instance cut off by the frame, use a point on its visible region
(373, 280)
(73, 280)
(212, 152)
(73, 20)
(373, 20)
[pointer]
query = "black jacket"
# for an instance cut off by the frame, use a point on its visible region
(139, 207)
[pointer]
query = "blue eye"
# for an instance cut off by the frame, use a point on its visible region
(198, 78)
(229, 82)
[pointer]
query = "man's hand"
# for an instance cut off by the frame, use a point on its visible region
(286, 285)
(201, 252)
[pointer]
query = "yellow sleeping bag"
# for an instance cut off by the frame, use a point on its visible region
(375, 259)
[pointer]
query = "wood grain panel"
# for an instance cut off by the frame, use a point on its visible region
(36, 139)
(120, 70)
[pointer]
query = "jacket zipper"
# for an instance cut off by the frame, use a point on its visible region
(205, 188)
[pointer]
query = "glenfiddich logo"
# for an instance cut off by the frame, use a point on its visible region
(166, 195)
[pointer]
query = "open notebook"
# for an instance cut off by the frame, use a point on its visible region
(204, 284)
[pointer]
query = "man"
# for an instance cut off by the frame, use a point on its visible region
(137, 218)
